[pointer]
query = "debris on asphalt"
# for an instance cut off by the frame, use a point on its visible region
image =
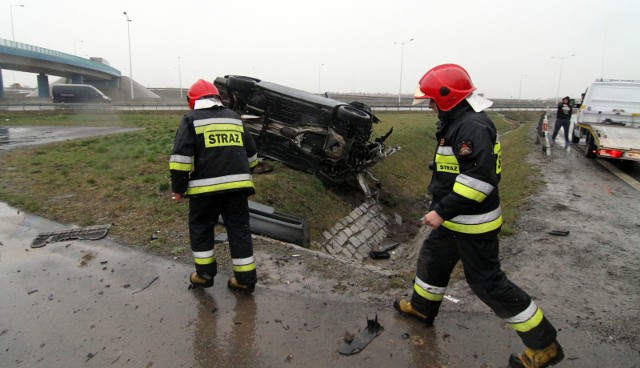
(85, 233)
(558, 232)
(354, 343)
(149, 284)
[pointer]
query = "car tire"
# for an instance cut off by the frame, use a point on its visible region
(350, 113)
(240, 83)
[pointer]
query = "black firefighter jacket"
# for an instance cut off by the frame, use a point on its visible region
(212, 153)
(467, 169)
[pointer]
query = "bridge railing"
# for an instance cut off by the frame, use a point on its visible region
(22, 49)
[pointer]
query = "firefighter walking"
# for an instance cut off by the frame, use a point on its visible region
(465, 218)
(211, 163)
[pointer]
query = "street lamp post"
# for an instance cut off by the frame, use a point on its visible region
(560, 76)
(180, 77)
(13, 35)
(401, 64)
(319, 77)
(130, 68)
(520, 89)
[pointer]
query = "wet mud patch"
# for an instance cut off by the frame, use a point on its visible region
(85, 259)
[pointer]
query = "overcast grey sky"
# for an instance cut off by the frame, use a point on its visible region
(510, 48)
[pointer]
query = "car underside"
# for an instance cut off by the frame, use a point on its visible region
(312, 133)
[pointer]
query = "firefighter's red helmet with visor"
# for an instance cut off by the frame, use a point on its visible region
(446, 84)
(200, 89)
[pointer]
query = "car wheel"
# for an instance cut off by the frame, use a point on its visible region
(349, 113)
(240, 83)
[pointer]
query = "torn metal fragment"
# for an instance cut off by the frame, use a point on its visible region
(361, 339)
(85, 233)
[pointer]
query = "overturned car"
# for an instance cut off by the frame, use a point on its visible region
(307, 132)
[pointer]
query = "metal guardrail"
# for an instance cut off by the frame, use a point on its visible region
(44, 106)
(164, 106)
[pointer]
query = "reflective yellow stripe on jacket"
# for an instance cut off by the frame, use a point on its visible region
(475, 224)
(446, 161)
(227, 182)
(474, 189)
(181, 163)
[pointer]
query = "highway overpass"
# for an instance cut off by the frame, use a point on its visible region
(44, 62)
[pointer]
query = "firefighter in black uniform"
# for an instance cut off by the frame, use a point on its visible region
(465, 218)
(211, 163)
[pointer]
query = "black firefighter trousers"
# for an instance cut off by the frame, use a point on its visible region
(204, 212)
(439, 254)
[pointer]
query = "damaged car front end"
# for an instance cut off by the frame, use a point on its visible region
(311, 133)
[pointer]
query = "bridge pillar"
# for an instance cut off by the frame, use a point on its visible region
(77, 79)
(1, 84)
(43, 85)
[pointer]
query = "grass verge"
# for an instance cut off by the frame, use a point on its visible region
(123, 179)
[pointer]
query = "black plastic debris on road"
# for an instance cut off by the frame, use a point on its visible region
(558, 232)
(355, 343)
(84, 233)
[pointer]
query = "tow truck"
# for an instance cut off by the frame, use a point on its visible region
(609, 120)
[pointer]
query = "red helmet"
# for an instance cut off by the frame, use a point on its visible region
(200, 89)
(446, 84)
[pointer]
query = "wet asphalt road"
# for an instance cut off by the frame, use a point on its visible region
(98, 304)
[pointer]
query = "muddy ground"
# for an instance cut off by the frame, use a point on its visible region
(99, 304)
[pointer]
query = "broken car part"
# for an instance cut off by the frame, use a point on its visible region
(384, 252)
(307, 132)
(264, 220)
(354, 343)
(86, 233)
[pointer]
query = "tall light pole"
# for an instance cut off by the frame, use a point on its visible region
(13, 35)
(130, 69)
(319, 77)
(401, 63)
(560, 76)
(180, 77)
(520, 89)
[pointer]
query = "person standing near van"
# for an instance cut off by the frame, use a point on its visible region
(211, 163)
(465, 218)
(563, 120)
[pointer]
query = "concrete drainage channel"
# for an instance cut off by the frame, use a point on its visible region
(356, 234)
(353, 237)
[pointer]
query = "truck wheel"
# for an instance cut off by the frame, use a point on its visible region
(590, 147)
